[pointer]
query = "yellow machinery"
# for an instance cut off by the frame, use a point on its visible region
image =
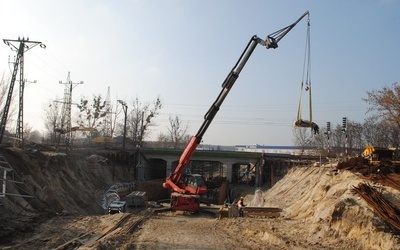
(378, 153)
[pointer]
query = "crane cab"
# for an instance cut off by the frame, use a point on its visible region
(195, 184)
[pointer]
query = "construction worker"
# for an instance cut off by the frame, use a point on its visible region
(240, 205)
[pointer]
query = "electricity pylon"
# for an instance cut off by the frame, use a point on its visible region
(24, 45)
(65, 124)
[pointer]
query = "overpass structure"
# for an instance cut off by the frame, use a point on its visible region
(224, 163)
(151, 164)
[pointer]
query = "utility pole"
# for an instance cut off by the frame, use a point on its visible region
(344, 129)
(328, 132)
(108, 131)
(125, 108)
(65, 126)
(141, 131)
(24, 45)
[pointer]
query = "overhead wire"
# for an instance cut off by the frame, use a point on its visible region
(192, 112)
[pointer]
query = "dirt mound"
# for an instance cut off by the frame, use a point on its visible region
(323, 200)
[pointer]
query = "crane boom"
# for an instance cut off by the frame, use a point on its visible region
(174, 180)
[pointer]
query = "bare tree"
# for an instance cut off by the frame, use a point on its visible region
(32, 135)
(380, 133)
(391, 135)
(91, 114)
(162, 140)
(372, 132)
(52, 116)
(177, 132)
(140, 119)
(302, 137)
(354, 136)
(321, 140)
(338, 139)
(386, 103)
(3, 89)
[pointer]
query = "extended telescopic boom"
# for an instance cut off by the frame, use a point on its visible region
(271, 41)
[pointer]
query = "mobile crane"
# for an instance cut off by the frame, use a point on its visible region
(187, 189)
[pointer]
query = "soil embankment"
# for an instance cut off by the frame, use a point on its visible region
(53, 184)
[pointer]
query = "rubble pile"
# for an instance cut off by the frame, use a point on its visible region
(385, 173)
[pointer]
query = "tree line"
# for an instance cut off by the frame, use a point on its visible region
(381, 128)
(109, 121)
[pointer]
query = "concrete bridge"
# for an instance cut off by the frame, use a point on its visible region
(222, 163)
(159, 163)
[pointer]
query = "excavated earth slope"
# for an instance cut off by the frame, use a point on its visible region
(56, 184)
(324, 207)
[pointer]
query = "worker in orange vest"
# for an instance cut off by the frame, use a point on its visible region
(240, 205)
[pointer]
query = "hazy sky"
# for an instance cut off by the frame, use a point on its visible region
(182, 51)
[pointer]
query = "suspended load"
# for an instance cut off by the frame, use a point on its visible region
(306, 124)
(306, 85)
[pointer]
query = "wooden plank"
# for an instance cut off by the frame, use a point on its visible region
(262, 209)
(261, 214)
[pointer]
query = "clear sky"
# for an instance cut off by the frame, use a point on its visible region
(182, 51)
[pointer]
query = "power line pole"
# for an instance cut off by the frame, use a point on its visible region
(328, 132)
(24, 45)
(344, 129)
(125, 109)
(108, 117)
(66, 109)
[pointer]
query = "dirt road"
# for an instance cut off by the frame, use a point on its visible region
(171, 231)
(191, 232)
(180, 232)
